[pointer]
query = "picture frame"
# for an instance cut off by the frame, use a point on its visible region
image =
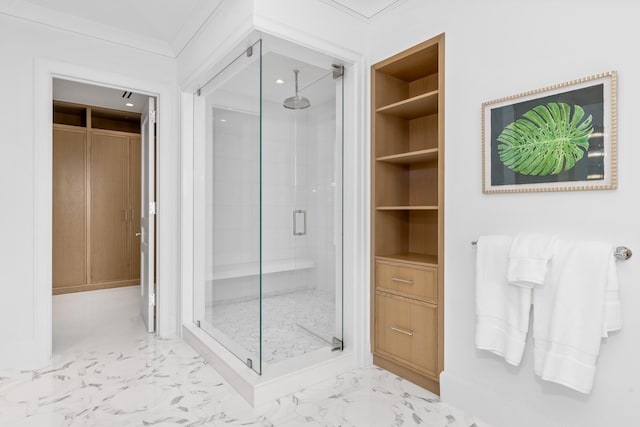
(558, 138)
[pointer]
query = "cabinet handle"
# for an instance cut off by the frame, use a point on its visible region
(138, 234)
(402, 331)
(397, 279)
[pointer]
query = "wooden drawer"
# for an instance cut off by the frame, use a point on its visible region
(407, 330)
(409, 280)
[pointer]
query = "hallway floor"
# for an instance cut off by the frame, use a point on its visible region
(107, 371)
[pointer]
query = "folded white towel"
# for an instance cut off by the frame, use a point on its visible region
(529, 256)
(613, 307)
(572, 312)
(502, 311)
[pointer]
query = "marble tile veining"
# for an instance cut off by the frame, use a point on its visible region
(139, 379)
(293, 324)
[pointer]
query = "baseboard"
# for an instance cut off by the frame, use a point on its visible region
(95, 286)
(485, 404)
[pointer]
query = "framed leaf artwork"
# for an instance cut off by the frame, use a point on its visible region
(558, 138)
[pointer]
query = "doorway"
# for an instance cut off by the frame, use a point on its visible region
(103, 216)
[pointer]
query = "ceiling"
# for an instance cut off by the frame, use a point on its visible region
(96, 96)
(166, 27)
(160, 26)
(365, 8)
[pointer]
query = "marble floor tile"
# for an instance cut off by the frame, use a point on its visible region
(293, 324)
(131, 378)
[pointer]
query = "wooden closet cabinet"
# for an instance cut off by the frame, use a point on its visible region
(96, 198)
(407, 146)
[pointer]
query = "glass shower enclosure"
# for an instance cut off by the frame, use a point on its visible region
(268, 162)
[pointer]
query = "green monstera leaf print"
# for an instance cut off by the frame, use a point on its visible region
(546, 140)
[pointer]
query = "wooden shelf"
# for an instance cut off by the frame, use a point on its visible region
(418, 106)
(421, 259)
(407, 208)
(69, 114)
(411, 157)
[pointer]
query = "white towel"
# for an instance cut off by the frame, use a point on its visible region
(502, 311)
(571, 313)
(529, 256)
(613, 307)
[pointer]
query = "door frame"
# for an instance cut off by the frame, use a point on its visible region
(167, 188)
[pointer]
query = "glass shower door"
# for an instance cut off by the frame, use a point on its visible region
(227, 163)
(317, 216)
(302, 208)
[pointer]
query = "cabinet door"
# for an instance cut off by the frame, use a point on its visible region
(69, 207)
(109, 205)
(407, 331)
(135, 182)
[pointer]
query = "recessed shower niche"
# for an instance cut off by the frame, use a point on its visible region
(268, 217)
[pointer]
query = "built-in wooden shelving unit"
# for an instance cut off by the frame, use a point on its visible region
(408, 212)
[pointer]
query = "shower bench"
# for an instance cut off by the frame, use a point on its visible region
(233, 271)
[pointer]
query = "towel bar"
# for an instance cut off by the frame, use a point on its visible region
(622, 252)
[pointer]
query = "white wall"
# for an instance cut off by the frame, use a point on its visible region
(497, 48)
(22, 45)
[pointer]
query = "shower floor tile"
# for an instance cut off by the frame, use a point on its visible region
(292, 324)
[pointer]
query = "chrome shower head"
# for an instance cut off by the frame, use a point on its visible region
(296, 102)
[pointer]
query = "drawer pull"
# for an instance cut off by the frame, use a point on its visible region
(402, 331)
(397, 279)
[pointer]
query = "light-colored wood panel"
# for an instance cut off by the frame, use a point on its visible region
(66, 113)
(391, 232)
(389, 89)
(407, 208)
(411, 157)
(414, 63)
(423, 85)
(423, 184)
(423, 133)
(421, 105)
(441, 201)
(423, 232)
(69, 206)
(109, 172)
(407, 330)
(391, 135)
(411, 258)
(392, 185)
(135, 179)
(124, 121)
(408, 280)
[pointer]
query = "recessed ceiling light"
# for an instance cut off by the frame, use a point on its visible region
(223, 120)
(128, 104)
(279, 81)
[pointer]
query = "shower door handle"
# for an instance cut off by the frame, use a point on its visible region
(296, 214)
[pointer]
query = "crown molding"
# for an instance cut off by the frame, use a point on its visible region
(192, 26)
(32, 13)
